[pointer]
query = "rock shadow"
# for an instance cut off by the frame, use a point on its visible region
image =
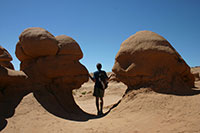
(8, 102)
(180, 92)
(62, 104)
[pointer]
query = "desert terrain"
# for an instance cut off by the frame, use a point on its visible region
(139, 111)
(152, 88)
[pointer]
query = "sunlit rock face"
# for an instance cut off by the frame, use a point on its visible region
(48, 59)
(146, 59)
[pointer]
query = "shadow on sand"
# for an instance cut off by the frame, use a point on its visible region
(59, 104)
(179, 91)
(188, 92)
(63, 105)
(8, 103)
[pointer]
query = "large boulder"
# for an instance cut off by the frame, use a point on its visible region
(146, 59)
(5, 58)
(68, 46)
(19, 52)
(36, 42)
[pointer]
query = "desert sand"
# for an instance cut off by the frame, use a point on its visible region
(139, 111)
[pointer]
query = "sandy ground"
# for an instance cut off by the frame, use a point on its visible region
(140, 111)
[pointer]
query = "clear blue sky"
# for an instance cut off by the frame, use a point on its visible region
(100, 26)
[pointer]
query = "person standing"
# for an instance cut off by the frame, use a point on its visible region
(99, 89)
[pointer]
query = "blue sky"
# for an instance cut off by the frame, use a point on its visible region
(100, 26)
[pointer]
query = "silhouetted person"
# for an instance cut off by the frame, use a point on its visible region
(99, 89)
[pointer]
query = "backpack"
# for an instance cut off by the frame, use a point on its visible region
(103, 80)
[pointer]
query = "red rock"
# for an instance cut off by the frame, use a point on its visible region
(36, 42)
(5, 58)
(4, 55)
(68, 46)
(146, 59)
(19, 52)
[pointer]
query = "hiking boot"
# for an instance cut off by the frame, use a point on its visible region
(100, 113)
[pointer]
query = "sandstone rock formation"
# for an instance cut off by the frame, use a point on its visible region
(35, 42)
(5, 58)
(52, 63)
(46, 59)
(12, 89)
(68, 46)
(9, 77)
(11, 83)
(146, 59)
(50, 68)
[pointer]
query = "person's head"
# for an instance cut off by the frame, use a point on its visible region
(99, 66)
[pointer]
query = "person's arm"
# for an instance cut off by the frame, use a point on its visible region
(91, 78)
(110, 76)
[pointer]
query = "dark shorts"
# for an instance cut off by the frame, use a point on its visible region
(98, 92)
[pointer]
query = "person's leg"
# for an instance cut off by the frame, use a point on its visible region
(97, 104)
(101, 105)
